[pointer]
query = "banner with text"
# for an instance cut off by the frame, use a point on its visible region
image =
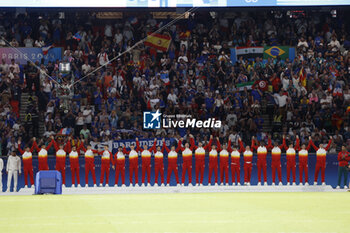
(113, 145)
(21, 55)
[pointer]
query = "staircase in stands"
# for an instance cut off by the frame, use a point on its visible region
(23, 109)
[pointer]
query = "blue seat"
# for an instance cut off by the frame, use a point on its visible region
(48, 182)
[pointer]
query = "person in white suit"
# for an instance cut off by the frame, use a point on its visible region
(13, 168)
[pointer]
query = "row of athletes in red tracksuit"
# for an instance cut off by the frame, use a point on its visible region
(215, 151)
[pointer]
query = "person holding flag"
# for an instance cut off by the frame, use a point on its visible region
(45, 49)
(172, 161)
(199, 155)
(302, 76)
(27, 163)
(77, 36)
(347, 110)
(89, 155)
(321, 153)
(158, 41)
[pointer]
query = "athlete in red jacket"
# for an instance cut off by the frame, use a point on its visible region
(213, 164)
(27, 163)
(187, 154)
(248, 159)
(146, 160)
(235, 162)
(159, 164)
(199, 155)
(106, 161)
(303, 162)
(89, 154)
(321, 153)
(119, 163)
(133, 163)
(224, 160)
(276, 159)
(42, 155)
(290, 156)
(74, 164)
(172, 161)
(261, 163)
(61, 154)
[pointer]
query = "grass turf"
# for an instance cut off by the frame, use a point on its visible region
(202, 212)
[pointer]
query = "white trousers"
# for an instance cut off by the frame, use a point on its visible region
(14, 174)
(0, 181)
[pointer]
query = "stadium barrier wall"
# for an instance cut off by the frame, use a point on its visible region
(331, 171)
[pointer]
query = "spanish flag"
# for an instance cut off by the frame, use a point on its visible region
(347, 110)
(158, 41)
(302, 76)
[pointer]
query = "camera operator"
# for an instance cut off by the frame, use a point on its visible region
(32, 77)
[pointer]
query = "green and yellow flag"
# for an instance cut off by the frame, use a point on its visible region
(274, 51)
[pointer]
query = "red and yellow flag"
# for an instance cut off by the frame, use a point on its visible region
(302, 76)
(185, 35)
(158, 41)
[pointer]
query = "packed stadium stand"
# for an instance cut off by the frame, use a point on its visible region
(252, 94)
(174, 115)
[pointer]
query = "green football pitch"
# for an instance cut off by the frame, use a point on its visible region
(202, 212)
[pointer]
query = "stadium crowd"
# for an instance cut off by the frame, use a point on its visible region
(108, 104)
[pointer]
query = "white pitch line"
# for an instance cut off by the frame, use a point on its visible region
(186, 189)
(118, 222)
